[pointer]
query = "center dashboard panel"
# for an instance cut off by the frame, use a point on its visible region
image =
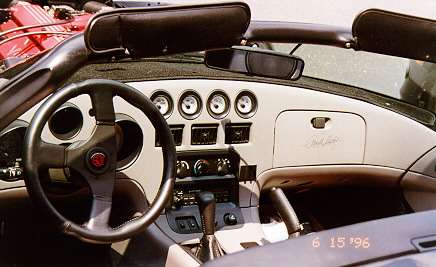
(197, 171)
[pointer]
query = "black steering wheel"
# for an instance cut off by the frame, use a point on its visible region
(95, 159)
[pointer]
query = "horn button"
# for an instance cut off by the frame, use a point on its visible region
(97, 160)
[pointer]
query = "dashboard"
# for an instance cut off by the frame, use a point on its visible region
(234, 138)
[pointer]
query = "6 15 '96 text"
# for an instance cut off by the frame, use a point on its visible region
(342, 242)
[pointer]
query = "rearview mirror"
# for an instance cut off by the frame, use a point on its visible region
(254, 61)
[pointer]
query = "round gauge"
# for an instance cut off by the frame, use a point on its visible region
(246, 104)
(163, 102)
(218, 105)
(190, 105)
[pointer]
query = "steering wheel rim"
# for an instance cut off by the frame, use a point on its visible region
(38, 154)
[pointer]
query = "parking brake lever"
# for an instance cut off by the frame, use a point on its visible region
(286, 211)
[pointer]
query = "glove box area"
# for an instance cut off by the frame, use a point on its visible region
(318, 137)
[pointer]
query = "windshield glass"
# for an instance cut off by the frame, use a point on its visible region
(401, 78)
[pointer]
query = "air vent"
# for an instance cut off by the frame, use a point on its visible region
(424, 244)
(204, 134)
(177, 131)
(237, 133)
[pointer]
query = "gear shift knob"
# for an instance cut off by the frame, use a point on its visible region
(206, 204)
(209, 247)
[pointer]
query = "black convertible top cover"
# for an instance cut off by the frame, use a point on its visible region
(165, 30)
(385, 32)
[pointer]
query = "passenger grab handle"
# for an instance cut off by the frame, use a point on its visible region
(286, 211)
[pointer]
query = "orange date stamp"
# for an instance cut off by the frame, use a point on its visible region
(356, 242)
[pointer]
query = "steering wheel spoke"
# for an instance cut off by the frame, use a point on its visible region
(100, 213)
(103, 106)
(51, 155)
(102, 189)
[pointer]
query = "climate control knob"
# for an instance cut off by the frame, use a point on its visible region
(201, 167)
(223, 166)
(182, 169)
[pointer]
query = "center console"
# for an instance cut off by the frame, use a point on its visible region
(215, 171)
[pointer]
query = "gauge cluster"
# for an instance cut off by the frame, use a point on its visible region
(197, 118)
(65, 126)
(218, 104)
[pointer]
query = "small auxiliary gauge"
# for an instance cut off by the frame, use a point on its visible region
(246, 104)
(218, 105)
(163, 102)
(190, 105)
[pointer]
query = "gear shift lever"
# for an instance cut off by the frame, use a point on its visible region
(209, 248)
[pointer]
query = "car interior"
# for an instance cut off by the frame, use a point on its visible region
(163, 136)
